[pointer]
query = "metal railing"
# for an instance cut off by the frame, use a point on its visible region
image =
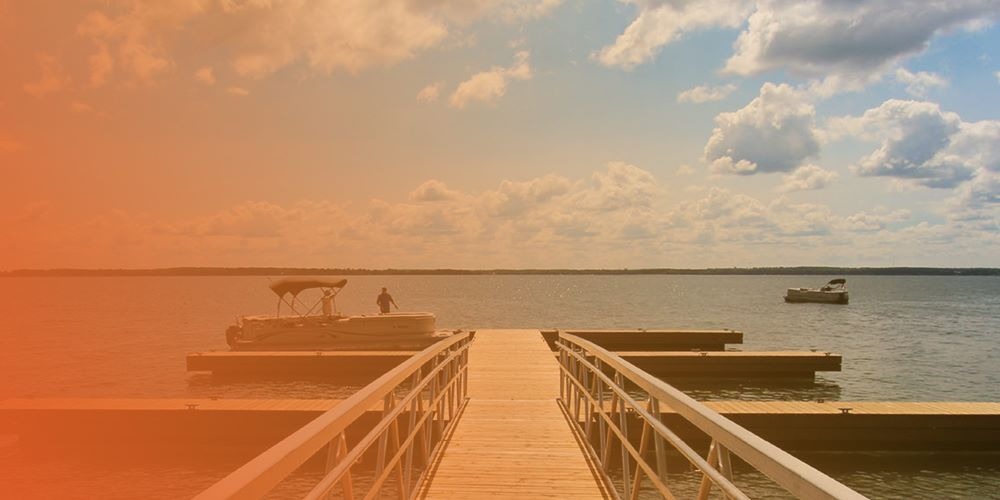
(433, 385)
(594, 396)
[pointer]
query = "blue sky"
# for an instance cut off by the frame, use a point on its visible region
(500, 133)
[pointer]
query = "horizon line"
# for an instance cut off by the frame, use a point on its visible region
(281, 270)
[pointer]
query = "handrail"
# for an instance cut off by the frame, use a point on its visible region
(446, 379)
(585, 386)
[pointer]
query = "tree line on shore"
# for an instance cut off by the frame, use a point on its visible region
(312, 271)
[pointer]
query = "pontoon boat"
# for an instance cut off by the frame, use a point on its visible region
(320, 327)
(834, 292)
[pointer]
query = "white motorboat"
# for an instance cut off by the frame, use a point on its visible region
(834, 292)
(320, 327)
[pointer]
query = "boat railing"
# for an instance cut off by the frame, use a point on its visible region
(420, 400)
(594, 395)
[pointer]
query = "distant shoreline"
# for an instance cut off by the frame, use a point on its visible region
(303, 271)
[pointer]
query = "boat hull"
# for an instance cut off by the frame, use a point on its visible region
(818, 296)
(387, 331)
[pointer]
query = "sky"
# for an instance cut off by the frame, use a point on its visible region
(499, 133)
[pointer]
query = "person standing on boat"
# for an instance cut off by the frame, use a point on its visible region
(327, 302)
(383, 301)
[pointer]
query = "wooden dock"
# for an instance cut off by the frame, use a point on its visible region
(512, 440)
(330, 363)
(204, 422)
(653, 340)
(789, 364)
(866, 426)
(799, 425)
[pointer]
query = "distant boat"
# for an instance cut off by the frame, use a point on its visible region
(321, 327)
(834, 292)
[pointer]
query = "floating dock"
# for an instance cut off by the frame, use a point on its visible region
(729, 364)
(664, 364)
(653, 340)
(189, 421)
(344, 364)
(815, 426)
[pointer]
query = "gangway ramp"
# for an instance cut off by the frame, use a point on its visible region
(513, 440)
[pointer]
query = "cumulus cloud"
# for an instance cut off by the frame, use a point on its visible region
(807, 177)
(250, 220)
(238, 91)
(622, 186)
(489, 86)
(131, 36)
(875, 220)
(52, 79)
(429, 93)
(205, 75)
(80, 107)
(264, 36)
(914, 139)
(917, 84)
(847, 42)
(704, 93)
(774, 133)
(660, 22)
(101, 66)
(514, 198)
(620, 217)
(433, 190)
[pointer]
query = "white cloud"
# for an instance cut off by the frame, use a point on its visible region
(875, 220)
(774, 133)
(132, 38)
(621, 218)
(621, 186)
(52, 79)
(489, 86)
(433, 190)
(515, 198)
(807, 177)
(264, 36)
(80, 107)
(914, 138)
(238, 91)
(848, 43)
(685, 170)
(101, 66)
(660, 22)
(997, 74)
(429, 93)
(917, 84)
(704, 93)
(205, 75)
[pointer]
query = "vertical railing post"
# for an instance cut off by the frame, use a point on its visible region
(601, 424)
(706, 482)
(411, 428)
(623, 425)
(334, 454)
(388, 402)
(658, 444)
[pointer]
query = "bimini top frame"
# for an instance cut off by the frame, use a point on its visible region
(288, 290)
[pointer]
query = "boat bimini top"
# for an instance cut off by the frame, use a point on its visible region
(288, 290)
(837, 284)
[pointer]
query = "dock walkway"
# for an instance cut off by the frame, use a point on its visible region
(512, 440)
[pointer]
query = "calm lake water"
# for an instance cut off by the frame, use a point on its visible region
(903, 338)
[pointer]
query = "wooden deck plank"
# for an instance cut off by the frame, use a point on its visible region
(512, 440)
